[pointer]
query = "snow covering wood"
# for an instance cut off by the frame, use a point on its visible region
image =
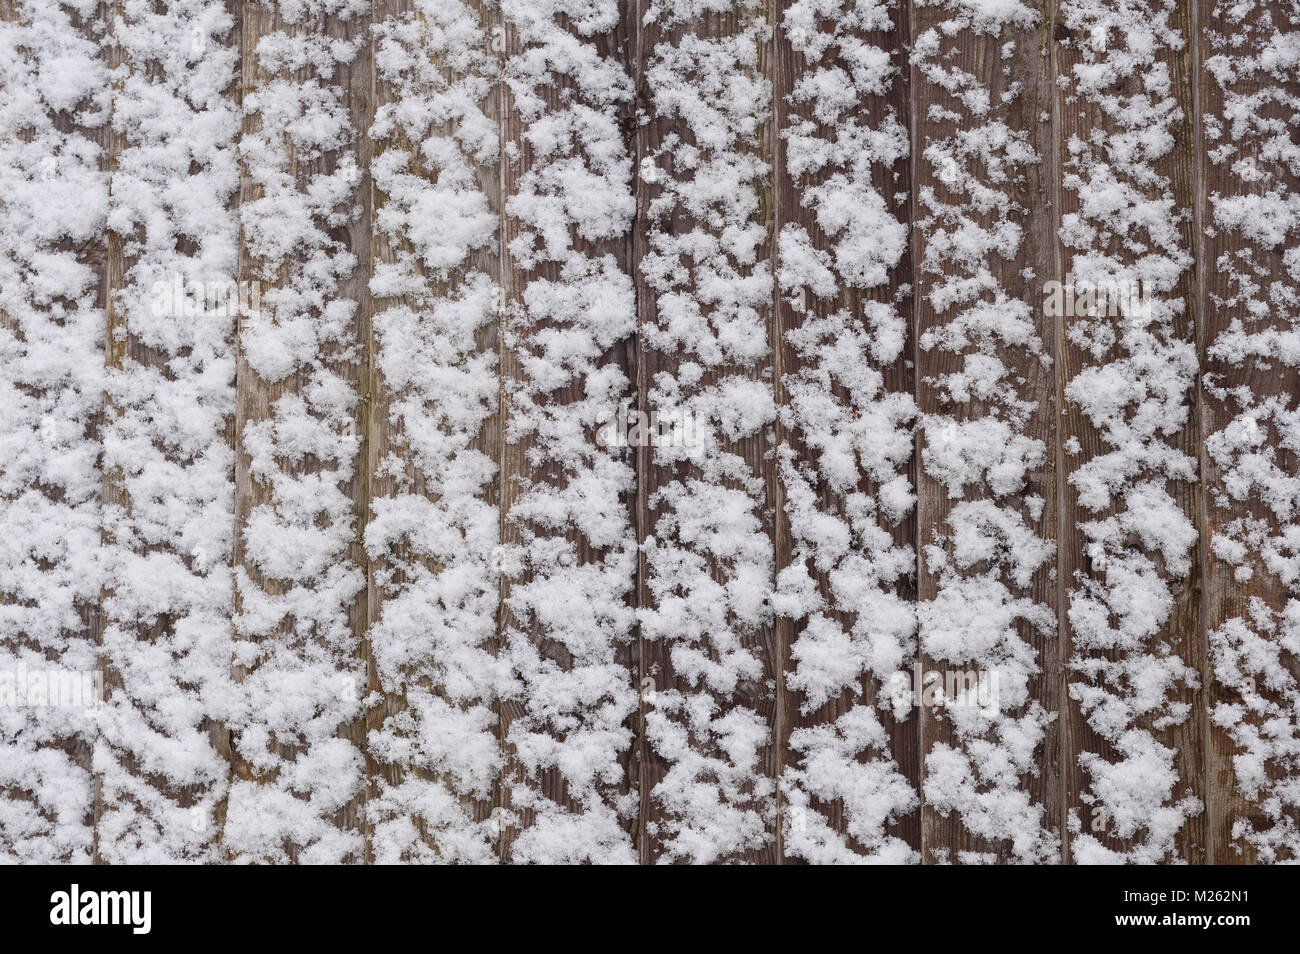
(54, 114)
(432, 537)
(721, 431)
(1250, 169)
(168, 515)
(987, 510)
(708, 666)
(569, 549)
(846, 576)
(297, 761)
(1132, 610)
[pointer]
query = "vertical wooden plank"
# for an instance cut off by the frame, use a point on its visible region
(1134, 641)
(300, 492)
(709, 659)
(1248, 174)
(846, 528)
(168, 465)
(434, 433)
(113, 493)
(989, 679)
(569, 553)
(53, 158)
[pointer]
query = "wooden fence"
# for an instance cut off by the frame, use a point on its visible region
(332, 338)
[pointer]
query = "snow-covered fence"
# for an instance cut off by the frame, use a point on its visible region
(972, 536)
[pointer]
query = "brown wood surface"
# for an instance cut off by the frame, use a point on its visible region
(525, 459)
(124, 349)
(1020, 92)
(1253, 166)
(383, 425)
(79, 641)
(893, 182)
(1042, 103)
(382, 437)
(656, 670)
(1183, 631)
(256, 396)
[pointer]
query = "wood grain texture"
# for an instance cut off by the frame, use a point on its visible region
(567, 496)
(1164, 453)
(694, 124)
(1245, 134)
(407, 560)
(116, 349)
(297, 644)
(171, 317)
(981, 169)
(52, 623)
(868, 142)
(666, 652)
(383, 437)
